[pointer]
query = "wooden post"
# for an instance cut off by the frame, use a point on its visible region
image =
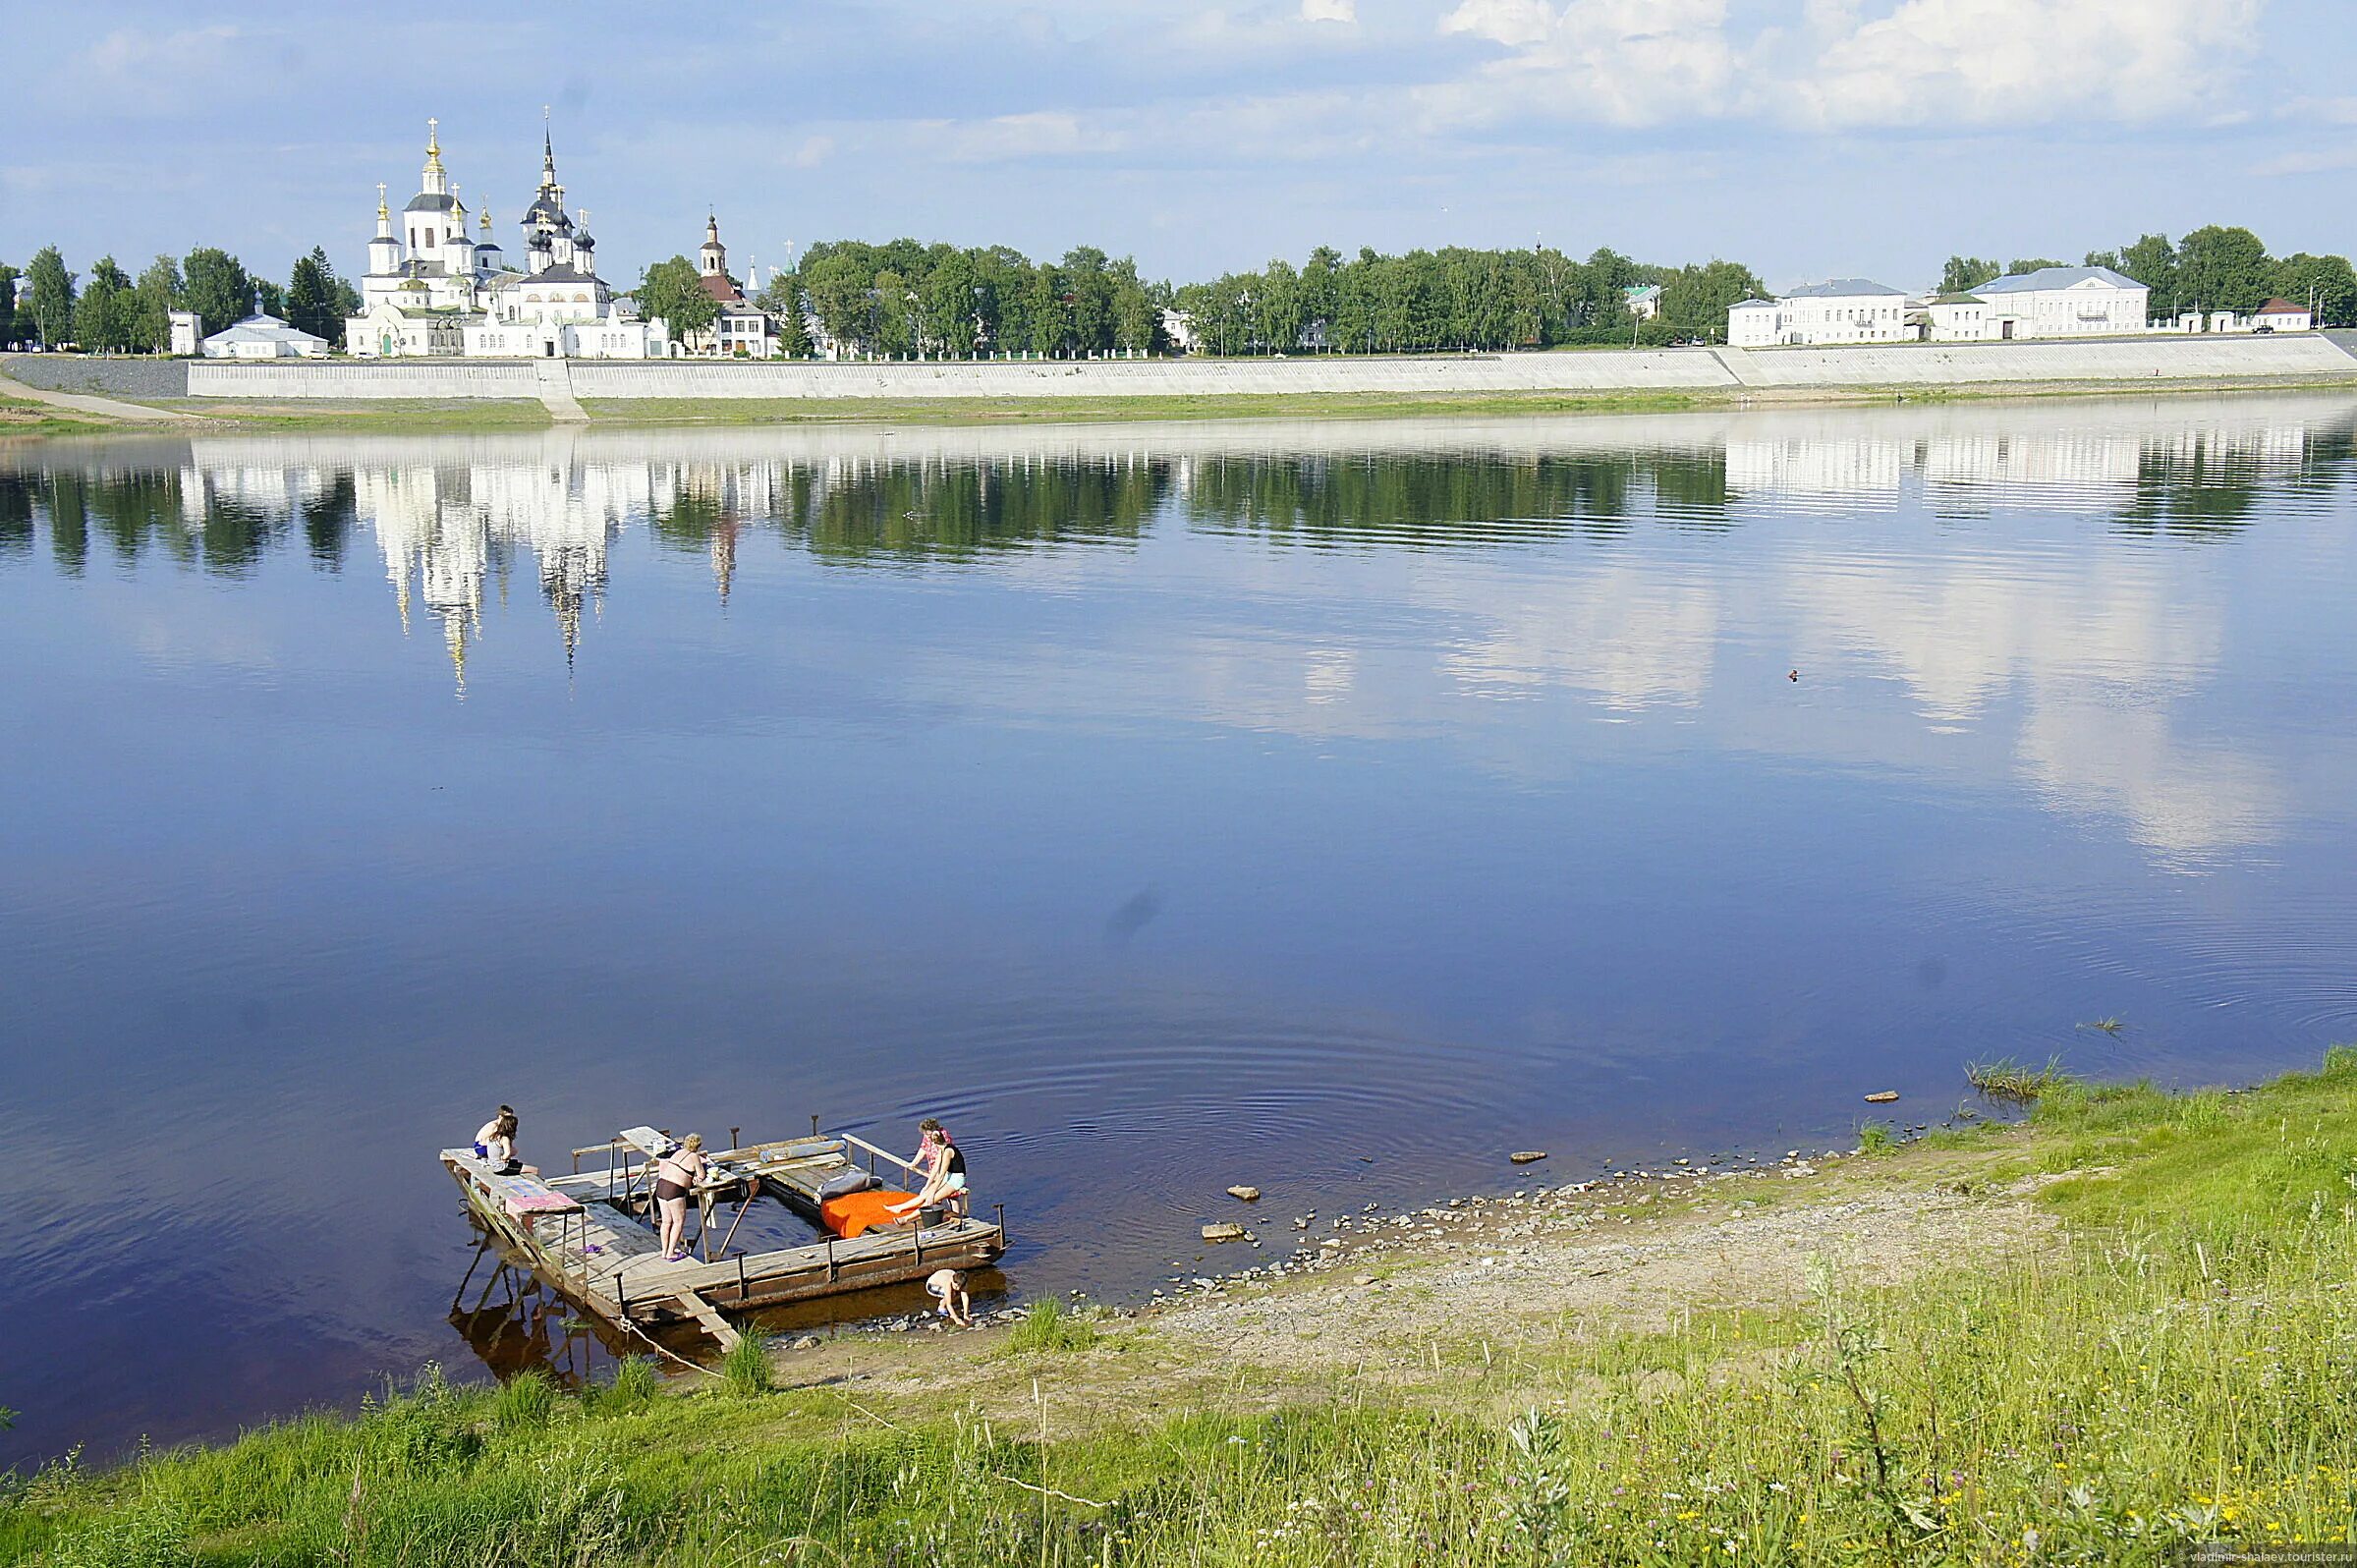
(741, 1286)
(830, 1260)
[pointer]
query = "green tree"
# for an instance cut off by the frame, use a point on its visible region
(840, 287)
(673, 291)
(216, 288)
(1965, 273)
(269, 298)
(1046, 312)
(949, 306)
(1137, 315)
(8, 304)
(2153, 261)
(156, 296)
(310, 298)
(1089, 293)
(2015, 268)
(782, 299)
(2222, 269)
(1276, 309)
(2326, 281)
(102, 315)
(1695, 299)
(51, 302)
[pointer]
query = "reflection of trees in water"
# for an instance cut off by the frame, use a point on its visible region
(2206, 484)
(922, 510)
(919, 511)
(1442, 500)
(2200, 482)
(136, 510)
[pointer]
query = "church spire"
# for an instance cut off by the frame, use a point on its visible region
(385, 214)
(438, 179)
(547, 152)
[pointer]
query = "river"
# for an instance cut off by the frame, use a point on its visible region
(1329, 806)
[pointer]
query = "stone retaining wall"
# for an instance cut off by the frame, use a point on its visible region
(122, 378)
(428, 380)
(2306, 356)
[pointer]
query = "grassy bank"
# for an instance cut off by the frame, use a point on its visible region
(2165, 1359)
(406, 415)
(21, 417)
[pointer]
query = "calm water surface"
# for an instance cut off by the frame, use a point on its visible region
(1334, 807)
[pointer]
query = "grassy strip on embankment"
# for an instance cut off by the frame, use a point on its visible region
(26, 417)
(2164, 1357)
(369, 415)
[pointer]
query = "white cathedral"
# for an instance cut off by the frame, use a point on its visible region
(431, 290)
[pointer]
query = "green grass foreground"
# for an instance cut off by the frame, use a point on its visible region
(2173, 1365)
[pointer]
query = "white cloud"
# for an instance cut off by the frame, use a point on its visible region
(2002, 61)
(1623, 62)
(1011, 137)
(1828, 63)
(1344, 11)
(1516, 23)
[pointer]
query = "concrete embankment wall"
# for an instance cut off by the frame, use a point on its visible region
(1936, 365)
(121, 378)
(428, 380)
(1926, 365)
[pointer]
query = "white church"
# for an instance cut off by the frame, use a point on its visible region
(431, 292)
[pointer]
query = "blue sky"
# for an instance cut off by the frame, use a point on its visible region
(1808, 138)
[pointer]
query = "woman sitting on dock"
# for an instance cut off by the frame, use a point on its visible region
(944, 1165)
(675, 1175)
(495, 1141)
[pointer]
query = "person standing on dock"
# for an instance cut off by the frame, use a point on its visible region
(495, 1141)
(675, 1176)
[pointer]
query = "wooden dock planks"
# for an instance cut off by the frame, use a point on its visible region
(626, 1281)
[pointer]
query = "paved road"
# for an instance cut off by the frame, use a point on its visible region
(2343, 339)
(81, 403)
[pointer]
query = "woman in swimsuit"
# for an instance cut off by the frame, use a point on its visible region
(675, 1174)
(495, 1141)
(944, 1165)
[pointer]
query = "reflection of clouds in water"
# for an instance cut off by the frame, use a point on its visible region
(1620, 634)
(2095, 663)
(1961, 634)
(1329, 673)
(2186, 802)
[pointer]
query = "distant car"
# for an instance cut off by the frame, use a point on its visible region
(2262, 327)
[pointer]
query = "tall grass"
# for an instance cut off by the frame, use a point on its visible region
(746, 1367)
(2174, 1367)
(1046, 1326)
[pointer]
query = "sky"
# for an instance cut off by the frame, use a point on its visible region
(1808, 138)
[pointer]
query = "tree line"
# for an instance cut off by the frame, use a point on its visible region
(1459, 298)
(110, 312)
(2211, 268)
(905, 298)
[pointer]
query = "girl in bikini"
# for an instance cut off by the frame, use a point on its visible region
(675, 1175)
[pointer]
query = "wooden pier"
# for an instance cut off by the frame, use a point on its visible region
(589, 1235)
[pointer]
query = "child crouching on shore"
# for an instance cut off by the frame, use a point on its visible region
(948, 1288)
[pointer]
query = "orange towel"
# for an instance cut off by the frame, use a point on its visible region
(854, 1213)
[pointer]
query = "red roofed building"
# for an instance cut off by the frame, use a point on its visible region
(2282, 316)
(741, 329)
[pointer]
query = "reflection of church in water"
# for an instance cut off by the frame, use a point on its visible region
(451, 519)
